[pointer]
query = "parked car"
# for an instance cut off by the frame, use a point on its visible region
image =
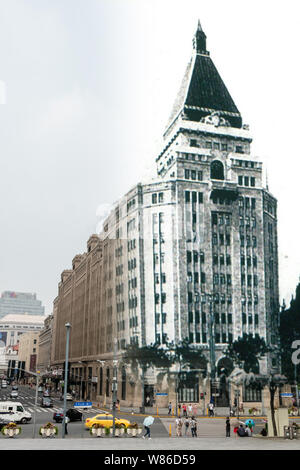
(72, 413)
(46, 402)
(14, 394)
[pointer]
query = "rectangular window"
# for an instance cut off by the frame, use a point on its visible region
(246, 180)
(252, 181)
(224, 147)
(240, 181)
(160, 197)
(202, 278)
(154, 198)
(200, 175)
(200, 198)
(194, 143)
(187, 196)
(193, 174)
(187, 174)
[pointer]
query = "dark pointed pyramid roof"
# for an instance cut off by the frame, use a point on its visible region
(202, 90)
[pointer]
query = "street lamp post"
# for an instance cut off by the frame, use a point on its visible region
(114, 386)
(68, 326)
(296, 385)
(211, 328)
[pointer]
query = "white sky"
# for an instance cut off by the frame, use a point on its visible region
(88, 86)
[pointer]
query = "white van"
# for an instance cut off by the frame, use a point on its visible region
(15, 411)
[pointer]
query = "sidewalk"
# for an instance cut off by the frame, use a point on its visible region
(164, 412)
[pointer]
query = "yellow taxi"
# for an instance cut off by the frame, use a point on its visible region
(106, 420)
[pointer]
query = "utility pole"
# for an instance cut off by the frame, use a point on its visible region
(68, 326)
(36, 400)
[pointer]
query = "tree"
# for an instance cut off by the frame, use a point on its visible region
(245, 353)
(289, 331)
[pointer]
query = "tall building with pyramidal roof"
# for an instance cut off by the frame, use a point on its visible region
(191, 254)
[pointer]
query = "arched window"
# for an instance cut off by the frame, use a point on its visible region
(217, 170)
(123, 395)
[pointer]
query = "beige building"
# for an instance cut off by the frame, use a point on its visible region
(44, 346)
(28, 350)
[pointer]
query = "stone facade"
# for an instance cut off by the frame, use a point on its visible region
(190, 255)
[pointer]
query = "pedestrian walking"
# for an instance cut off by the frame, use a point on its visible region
(211, 409)
(179, 409)
(170, 408)
(67, 420)
(184, 409)
(147, 434)
(186, 425)
(190, 409)
(179, 424)
(228, 427)
(193, 426)
(248, 431)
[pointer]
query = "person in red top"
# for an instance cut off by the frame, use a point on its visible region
(184, 410)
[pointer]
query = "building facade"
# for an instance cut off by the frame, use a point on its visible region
(189, 255)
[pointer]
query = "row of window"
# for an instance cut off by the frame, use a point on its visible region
(196, 256)
(247, 202)
(132, 302)
(218, 318)
(249, 242)
(222, 279)
(130, 204)
(157, 278)
(131, 264)
(133, 322)
(160, 317)
(219, 239)
(157, 198)
(220, 219)
(221, 259)
(194, 196)
(131, 244)
(132, 283)
(219, 339)
(196, 277)
(250, 261)
(163, 298)
(209, 145)
(249, 280)
(246, 181)
(193, 175)
(250, 319)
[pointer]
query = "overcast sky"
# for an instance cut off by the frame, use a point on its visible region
(89, 86)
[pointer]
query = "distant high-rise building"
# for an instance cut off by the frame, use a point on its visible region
(20, 302)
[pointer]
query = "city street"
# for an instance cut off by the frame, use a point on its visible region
(163, 427)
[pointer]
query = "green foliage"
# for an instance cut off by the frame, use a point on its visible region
(289, 331)
(148, 356)
(163, 357)
(188, 356)
(246, 351)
